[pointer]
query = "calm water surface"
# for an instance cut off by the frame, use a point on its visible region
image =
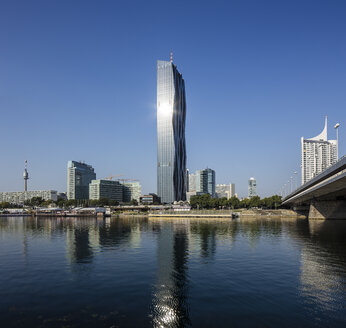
(172, 273)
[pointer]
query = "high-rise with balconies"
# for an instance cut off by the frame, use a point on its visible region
(318, 153)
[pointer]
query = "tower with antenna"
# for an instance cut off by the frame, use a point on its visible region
(26, 176)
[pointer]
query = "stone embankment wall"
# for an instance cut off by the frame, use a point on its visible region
(271, 213)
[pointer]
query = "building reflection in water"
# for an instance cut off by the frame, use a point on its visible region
(170, 299)
(81, 239)
(206, 233)
(323, 246)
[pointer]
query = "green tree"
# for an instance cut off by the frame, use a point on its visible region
(5, 205)
(134, 202)
(255, 201)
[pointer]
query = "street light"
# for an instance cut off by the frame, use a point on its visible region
(336, 127)
(296, 178)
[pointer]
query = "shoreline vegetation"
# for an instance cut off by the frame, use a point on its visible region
(199, 206)
(213, 213)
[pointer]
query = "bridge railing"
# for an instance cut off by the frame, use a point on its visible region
(328, 172)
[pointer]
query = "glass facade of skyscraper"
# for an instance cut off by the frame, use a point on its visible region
(205, 182)
(171, 150)
(131, 191)
(79, 175)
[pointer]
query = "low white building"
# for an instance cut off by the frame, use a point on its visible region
(19, 197)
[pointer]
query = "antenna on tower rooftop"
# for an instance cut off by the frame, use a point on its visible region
(171, 56)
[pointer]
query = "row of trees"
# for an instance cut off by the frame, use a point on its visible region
(206, 201)
(38, 201)
(8, 205)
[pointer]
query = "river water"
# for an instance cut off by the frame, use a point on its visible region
(142, 272)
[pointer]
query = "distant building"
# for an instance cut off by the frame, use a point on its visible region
(150, 199)
(187, 174)
(19, 197)
(225, 190)
(171, 150)
(79, 176)
(318, 153)
(192, 182)
(62, 195)
(252, 188)
(205, 182)
(131, 190)
(192, 193)
(109, 189)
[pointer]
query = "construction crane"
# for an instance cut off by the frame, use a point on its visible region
(124, 180)
(111, 177)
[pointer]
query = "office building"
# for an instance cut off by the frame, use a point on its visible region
(225, 190)
(252, 187)
(317, 154)
(192, 182)
(19, 197)
(205, 182)
(150, 199)
(109, 189)
(79, 176)
(131, 190)
(171, 150)
(187, 180)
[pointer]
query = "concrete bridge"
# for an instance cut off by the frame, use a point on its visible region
(324, 196)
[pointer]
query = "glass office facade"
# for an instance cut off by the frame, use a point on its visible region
(171, 149)
(205, 182)
(109, 189)
(131, 190)
(79, 175)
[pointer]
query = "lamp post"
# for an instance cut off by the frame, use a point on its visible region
(291, 184)
(296, 178)
(336, 127)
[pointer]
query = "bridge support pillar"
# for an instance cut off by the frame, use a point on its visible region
(327, 209)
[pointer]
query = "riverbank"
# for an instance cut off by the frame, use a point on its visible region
(229, 214)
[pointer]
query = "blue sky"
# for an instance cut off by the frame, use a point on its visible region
(78, 81)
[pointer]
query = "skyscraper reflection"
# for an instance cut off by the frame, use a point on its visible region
(170, 306)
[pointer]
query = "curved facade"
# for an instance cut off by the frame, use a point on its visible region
(318, 153)
(171, 149)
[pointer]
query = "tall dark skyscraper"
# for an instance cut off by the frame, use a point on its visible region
(171, 149)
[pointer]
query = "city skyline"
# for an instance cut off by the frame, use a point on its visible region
(253, 99)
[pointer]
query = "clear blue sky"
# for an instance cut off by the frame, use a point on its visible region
(78, 82)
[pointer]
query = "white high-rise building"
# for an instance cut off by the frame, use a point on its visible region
(318, 153)
(225, 190)
(252, 187)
